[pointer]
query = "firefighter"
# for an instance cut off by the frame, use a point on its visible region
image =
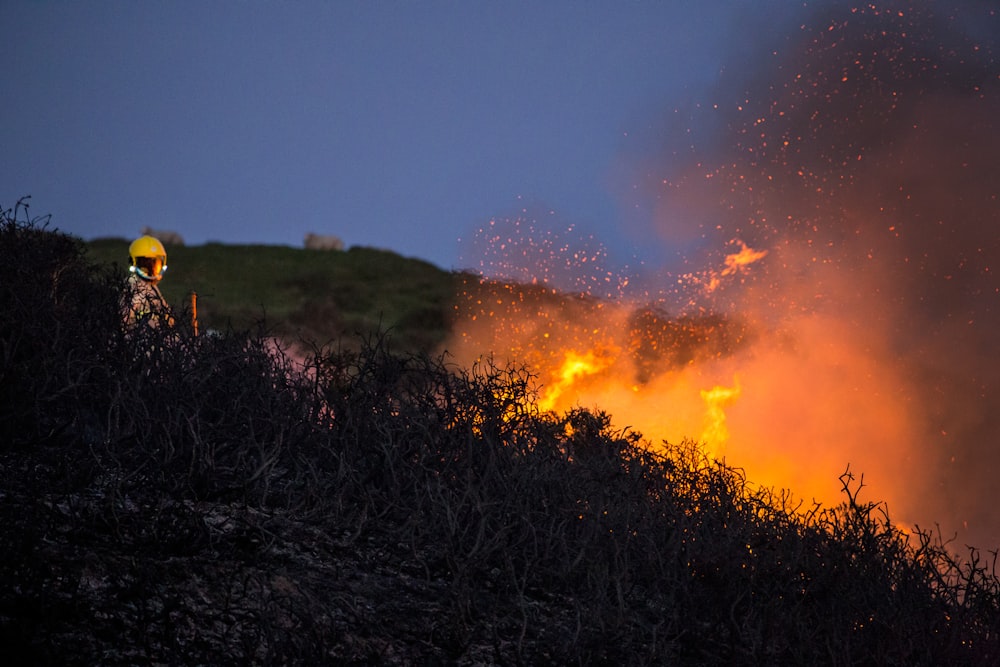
(149, 261)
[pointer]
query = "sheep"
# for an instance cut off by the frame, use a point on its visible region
(165, 236)
(323, 242)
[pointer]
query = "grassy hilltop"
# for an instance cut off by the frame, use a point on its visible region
(173, 499)
(318, 295)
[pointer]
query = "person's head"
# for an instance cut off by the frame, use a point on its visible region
(149, 258)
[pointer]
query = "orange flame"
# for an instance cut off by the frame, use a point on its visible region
(716, 433)
(745, 257)
(575, 367)
(734, 263)
(791, 403)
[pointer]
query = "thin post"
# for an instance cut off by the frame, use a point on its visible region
(194, 311)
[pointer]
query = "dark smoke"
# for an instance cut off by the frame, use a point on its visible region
(863, 150)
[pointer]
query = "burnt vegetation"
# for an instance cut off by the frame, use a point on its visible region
(178, 499)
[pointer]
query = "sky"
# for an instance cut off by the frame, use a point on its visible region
(622, 149)
(401, 125)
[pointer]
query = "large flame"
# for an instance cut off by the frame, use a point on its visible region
(835, 212)
(792, 403)
(575, 366)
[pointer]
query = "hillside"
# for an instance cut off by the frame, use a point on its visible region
(318, 295)
(344, 296)
(172, 499)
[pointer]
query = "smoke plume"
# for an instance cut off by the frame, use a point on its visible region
(857, 162)
(864, 152)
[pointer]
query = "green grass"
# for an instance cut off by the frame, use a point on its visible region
(317, 295)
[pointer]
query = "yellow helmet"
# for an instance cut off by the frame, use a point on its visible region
(149, 258)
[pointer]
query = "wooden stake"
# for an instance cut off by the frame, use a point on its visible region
(194, 311)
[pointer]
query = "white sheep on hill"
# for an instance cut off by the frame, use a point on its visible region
(323, 242)
(166, 236)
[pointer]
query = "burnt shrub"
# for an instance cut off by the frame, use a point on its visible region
(56, 313)
(181, 499)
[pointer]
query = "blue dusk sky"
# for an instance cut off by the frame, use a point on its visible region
(402, 125)
(858, 145)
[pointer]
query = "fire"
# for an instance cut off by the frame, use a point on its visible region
(858, 162)
(575, 367)
(734, 263)
(573, 380)
(715, 434)
(792, 406)
(745, 257)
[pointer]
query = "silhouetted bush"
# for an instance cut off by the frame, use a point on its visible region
(179, 499)
(54, 323)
